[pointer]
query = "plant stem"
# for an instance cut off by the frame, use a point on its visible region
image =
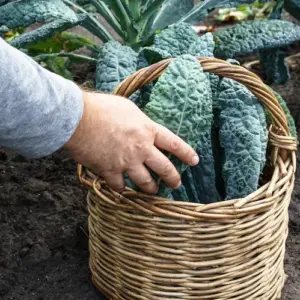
(135, 8)
(42, 57)
(150, 10)
(124, 14)
(146, 4)
(98, 29)
(147, 14)
(104, 10)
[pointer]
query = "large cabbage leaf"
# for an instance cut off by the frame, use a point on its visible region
(177, 40)
(243, 137)
(115, 63)
(246, 38)
(180, 101)
(24, 13)
(46, 31)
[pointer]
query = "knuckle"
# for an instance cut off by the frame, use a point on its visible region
(167, 169)
(151, 128)
(175, 144)
(147, 181)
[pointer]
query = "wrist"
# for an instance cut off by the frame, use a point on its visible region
(80, 131)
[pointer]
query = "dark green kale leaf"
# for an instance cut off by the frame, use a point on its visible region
(181, 100)
(249, 37)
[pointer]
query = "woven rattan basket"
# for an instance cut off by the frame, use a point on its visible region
(149, 248)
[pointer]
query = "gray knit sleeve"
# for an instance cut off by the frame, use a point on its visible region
(39, 110)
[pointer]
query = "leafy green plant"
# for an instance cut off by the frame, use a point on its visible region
(135, 21)
(57, 53)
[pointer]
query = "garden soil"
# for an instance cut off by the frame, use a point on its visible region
(43, 226)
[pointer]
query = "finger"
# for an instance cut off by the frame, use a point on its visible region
(167, 140)
(143, 179)
(162, 166)
(114, 181)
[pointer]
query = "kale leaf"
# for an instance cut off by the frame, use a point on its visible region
(249, 37)
(181, 100)
(243, 137)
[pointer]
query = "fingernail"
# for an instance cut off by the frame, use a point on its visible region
(178, 185)
(195, 160)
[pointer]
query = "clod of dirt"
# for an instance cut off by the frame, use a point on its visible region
(24, 251)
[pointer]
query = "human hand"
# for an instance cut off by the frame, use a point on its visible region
(114, 136)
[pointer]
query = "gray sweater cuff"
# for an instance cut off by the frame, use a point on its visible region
(39, 110)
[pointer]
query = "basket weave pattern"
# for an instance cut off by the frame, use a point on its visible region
(149, 248)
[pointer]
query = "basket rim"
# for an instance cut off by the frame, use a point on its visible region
(283, 154)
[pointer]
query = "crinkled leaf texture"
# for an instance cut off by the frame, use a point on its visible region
(46, 31)
(179, 39)
(243, 137)
(167, 44)
(174, 41)
(179, 101)
(203, 46)
(249, 37)
(24, 13)
(115, 63)
(171, 12)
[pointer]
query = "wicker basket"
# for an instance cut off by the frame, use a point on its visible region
(149, 248)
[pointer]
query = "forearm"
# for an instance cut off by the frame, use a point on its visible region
(39, 110)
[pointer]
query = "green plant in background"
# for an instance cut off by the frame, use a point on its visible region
(48, 43)
(9, 36)
(246, 12)
(137, 22)
(57, 53)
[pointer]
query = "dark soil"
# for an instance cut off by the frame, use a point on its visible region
(43, 242)
(43, 225)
